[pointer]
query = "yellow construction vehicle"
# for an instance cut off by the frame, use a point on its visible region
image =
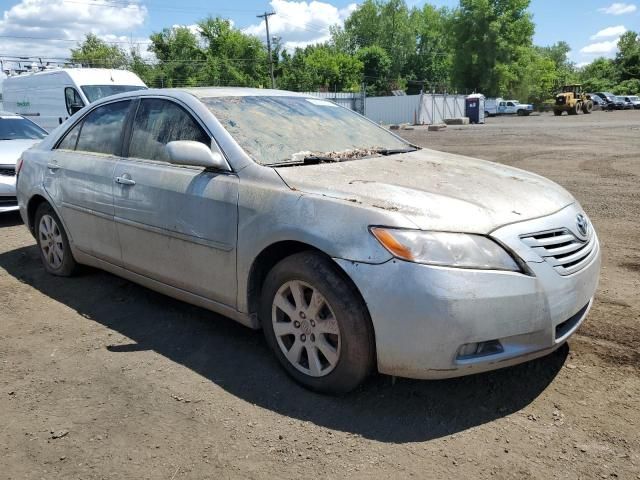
(573, 101)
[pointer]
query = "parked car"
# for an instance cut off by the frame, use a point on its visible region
(49, 97)
(16, 135)
(623, 104)
(598, 102)
(633, 100)
(608, 98)
(500, 106)
(351, 248)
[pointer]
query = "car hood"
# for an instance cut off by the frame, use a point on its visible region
(10, 150)
(435, 190)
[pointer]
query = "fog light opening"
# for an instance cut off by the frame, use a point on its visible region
(481, 349)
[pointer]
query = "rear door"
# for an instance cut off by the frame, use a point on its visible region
(80, 175)
(176, 224)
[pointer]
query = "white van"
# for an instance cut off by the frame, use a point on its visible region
(51, 96)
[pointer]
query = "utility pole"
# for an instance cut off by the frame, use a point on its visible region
(266, 16)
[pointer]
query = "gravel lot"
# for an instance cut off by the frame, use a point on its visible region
(101, 378)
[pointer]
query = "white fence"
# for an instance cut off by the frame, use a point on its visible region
(423, 109)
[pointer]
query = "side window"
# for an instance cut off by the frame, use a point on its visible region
(72, 100)
(509, 104)
(502, 104)
(70, 139)
(159, 122)
(102, 129)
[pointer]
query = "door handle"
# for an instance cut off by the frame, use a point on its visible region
(53, 166)
(125, 180)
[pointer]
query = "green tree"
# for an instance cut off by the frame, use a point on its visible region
(431, 59)
(180, 58)
(488, 38)
(94, 52)
(628, 57)
(376, 66)
(599, 76)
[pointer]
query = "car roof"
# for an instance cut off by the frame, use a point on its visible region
(204, 92)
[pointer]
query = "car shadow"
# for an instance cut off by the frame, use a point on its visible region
(10, 219)
(238, 360)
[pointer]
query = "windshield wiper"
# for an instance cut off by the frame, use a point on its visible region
(308, 160)
(393, 151)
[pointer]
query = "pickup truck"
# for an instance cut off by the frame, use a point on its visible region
(500, 106)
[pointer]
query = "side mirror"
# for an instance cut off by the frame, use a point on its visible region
(194, 154)
(75, 108)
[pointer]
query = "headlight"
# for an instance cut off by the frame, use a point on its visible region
(461, 250)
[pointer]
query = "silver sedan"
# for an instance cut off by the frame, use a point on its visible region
(16, 135)
(353, 250)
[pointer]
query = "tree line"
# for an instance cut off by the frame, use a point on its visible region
(480, 46)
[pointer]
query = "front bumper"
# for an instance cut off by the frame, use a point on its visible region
(423, 315)
(8, 202)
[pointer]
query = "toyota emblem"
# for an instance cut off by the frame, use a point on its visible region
(583, 224)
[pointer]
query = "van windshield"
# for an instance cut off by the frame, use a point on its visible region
(96, 92)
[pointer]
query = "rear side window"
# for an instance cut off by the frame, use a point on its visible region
(72, 99)
(70, 139)
(102, 129)
(159, 122)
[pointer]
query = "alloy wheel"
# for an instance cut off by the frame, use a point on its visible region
(51, 243)
(306, 328)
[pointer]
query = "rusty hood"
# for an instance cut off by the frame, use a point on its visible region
(435, 190)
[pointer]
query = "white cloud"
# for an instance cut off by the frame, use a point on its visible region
(605, 48)
(52, 27)
(582, 64)
(301, 23)
(619, 8)
(609, 32)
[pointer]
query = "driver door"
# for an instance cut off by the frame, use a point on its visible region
(176, 224)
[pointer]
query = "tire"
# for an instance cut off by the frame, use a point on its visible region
(587, 107)
(520, 113)
(575, 109)
(336, 332)
(557, 113)
(53, 243)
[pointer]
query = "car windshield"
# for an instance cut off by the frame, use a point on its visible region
(633, 99)
(18, 128)
(620, 99)
(96, 92)
(276, 130)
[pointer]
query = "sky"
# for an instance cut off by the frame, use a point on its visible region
(48, 28)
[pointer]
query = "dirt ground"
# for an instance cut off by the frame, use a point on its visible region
(101, 378)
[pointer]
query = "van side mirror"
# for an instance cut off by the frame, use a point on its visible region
(195, 154)
(76, 107)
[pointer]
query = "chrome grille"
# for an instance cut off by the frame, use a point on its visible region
(7, 171)
(565, 252)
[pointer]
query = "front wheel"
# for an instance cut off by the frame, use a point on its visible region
(587, 107)
(316, 324)
(557, 113)
(53, 243)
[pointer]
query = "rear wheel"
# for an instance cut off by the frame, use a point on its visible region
(316, 324)
(53, 243)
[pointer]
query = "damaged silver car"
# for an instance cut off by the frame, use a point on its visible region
(352, 249)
